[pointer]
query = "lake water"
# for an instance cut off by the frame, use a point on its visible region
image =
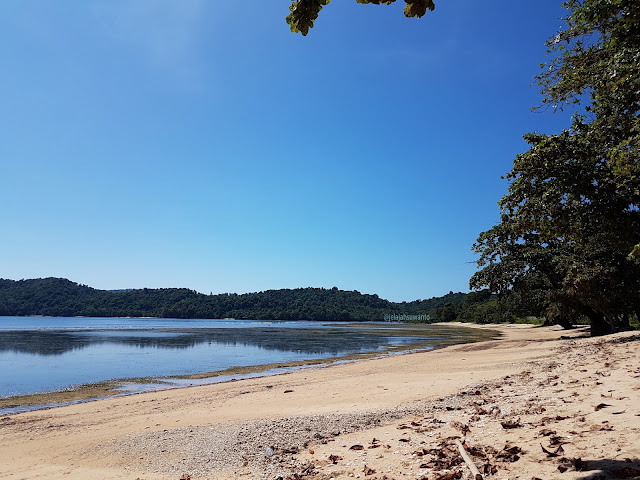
(40, 354)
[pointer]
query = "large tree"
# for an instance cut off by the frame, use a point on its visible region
(570, 224)
(305, 12)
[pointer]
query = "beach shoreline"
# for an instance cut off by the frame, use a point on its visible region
(110, 387)
(290, 425)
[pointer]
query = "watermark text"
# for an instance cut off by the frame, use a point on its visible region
(406, 318)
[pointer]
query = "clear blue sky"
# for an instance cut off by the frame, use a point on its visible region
(200, 144)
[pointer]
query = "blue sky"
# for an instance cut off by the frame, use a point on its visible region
(200, 144)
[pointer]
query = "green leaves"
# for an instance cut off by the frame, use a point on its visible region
(412, 9)
(304, 13)
(571, 216)
(419, 8)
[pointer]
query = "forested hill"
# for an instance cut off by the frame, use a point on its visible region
(62, 297)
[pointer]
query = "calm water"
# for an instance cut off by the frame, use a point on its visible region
(39, 354)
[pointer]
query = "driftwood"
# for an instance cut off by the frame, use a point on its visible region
(465, 456)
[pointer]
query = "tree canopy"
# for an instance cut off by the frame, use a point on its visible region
(305, 12)
(61, 297)
(569, 229)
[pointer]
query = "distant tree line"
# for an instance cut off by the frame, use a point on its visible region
(60, 297)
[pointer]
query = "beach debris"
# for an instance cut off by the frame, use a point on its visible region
(579, 465)
(375, 443)
(557, 440)
(601, 428)
(558, 452)
(509, 453)
(288, 391)
(185, 476)
(357, 446)
(368, 470)
(511, 424)
(545, 432)
(474, 470)
(489, 469)
(546, 420)
(404, 439)
(307, 470)
(601, 406)
(448, 476)
(463, 427)
(269, 452)
(292, 450)
(481, 410)
(334, 458)
(421, 453)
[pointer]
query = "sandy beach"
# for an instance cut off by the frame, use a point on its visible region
(538, 403)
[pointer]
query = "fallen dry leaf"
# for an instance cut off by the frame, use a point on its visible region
(512, 450)
(489, 469)
(556, 440)
(464, 428)
(448, 476)
(356, 447)
(601, 428)
(601, 406)
(579, 464)
(511, 424)
(558, 452)
(368, 471)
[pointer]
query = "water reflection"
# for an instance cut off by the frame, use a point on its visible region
(308, 341)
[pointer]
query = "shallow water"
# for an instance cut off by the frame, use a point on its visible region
(39, 354)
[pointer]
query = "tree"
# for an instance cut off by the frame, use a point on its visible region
(570, 224)
(305, 12)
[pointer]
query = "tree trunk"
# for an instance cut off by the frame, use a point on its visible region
(601, 324)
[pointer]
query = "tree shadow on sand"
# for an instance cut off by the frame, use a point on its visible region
(603, 469)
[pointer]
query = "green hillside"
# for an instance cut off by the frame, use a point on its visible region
(62, 297)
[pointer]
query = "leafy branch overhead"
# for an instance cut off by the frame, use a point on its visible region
(305, 12)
